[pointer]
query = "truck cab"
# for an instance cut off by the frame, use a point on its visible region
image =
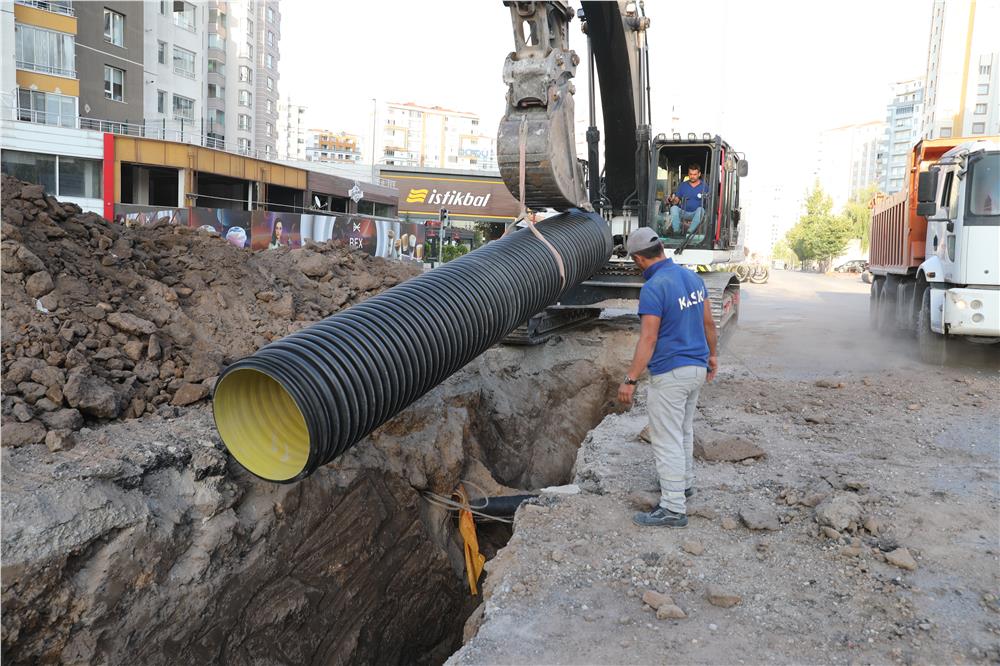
(960, 197)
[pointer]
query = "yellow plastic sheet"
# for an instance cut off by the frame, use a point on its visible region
(474, 560)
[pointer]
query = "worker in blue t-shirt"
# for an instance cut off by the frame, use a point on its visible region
(677, 342)
(688, 206)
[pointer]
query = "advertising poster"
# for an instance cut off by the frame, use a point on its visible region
(231, 224)
(132, 216)
(317, 228)
(357, 232)
(271, 230)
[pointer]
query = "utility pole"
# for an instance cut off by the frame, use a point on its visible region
(442, 220)
(374, 116)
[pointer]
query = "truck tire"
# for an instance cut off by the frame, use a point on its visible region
(933, 346)
(873, 304)
(887, 305)
(742, 272)
(759, 274)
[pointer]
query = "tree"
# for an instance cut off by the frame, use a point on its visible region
(859, 212)
(453, 252)
(782, 252)
(819, 235)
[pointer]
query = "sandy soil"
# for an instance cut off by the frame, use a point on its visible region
(897, 455)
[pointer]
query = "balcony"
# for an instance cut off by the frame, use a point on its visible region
(64, 7)
(45, 69)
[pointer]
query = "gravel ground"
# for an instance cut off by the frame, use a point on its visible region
(867, 533)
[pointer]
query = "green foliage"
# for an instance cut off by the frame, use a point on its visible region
(782, 252)
(859, 214)
(819, 235)
(450, 252)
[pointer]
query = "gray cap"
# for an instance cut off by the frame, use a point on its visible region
(641, 239)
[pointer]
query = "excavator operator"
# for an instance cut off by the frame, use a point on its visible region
(687, 209)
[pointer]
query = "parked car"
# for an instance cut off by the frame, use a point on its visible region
(853, 266)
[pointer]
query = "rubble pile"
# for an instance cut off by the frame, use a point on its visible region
(103, 322)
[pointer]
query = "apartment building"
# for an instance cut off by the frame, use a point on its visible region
(847, 158)
(903, 119)
(328, 146)
(431, 136)
(962, 82)
(174, 59)
(291, 130)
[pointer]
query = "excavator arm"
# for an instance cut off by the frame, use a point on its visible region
(536, 145)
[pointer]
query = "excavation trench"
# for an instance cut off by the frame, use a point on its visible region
(153, 547)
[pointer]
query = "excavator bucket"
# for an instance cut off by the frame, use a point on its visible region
(536, 149)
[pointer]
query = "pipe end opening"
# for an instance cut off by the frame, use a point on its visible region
(261, 424)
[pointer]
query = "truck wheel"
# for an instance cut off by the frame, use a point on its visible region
(873, 304)
(933, 346)
(887, 305)
(742, 272)
(866, 277)
(760, 274)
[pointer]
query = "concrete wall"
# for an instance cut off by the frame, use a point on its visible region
(93, 53)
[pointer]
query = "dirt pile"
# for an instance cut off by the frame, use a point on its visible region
(101, 321)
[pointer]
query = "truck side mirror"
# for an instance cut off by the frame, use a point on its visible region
(926, 208)
(742, 168)
(927, 185)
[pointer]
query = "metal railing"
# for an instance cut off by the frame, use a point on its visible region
(45, 69)
(65, 8)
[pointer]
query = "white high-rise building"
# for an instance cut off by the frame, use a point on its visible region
(903, 119)
(962, 84)
(173, 54)
(292, 131)
(847, 158)
(431, 136)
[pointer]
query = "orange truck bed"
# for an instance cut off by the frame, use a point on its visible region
(898, 234)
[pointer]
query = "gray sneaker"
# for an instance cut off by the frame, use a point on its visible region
(660, 517)
(689, 492)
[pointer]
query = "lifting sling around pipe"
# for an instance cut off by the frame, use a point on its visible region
(301, 401)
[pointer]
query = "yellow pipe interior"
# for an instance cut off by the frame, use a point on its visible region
(261, 424)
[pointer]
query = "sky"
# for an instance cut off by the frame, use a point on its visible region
(768, 75)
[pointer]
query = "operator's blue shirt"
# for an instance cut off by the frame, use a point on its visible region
(691, 195)
(678, 297)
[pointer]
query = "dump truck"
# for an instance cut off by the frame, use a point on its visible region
(935, 248)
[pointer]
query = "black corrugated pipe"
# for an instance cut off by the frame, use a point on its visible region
(301, 401)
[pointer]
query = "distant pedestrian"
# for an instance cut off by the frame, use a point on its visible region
(677, 342)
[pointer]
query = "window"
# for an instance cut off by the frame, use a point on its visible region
(184, 62)
(249, 30)
(268, 129)
(270, 15)
(78, 177)
(114, 28)
(980, 109)
(161, 52)
(246, 74)
(163, 6)
(243, 145)
(217, 17)
(44, 51)
(270, 61)
(216, 41)
(270, 83)
(32, 167)
(46, 108)
(216, 67)
(243, 122)
(978, 128)
(270, 38)
(945, 132)
(114, 83)
(270, 106)
(185, 18)
(218, 118)
(183, 108)
(984, 194)
(983, 89)
(161, 101)
(984, 70)
(216, 91)
(246, 99)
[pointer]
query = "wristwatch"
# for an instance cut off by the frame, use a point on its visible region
(631, 382)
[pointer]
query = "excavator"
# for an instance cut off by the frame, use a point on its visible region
(536, 153)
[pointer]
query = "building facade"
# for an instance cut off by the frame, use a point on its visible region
(292, 131)
(430, 136)
(962, 79)
(328, 146)
(903, 128)
(847, 159)
(174, 60)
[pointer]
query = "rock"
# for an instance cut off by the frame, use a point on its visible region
(22, 412)
(557, 556)
(189, 393)
(872, 525)
(32, 391)
(129, 323)
(206, 461)
(718, 596)
(59, 440)
(729, 523)
(20, 434)
(830, 532)
(850, 551)
(656, 599)
(154, 350)
(759, 518)
(314, 265)
(90, 394)
(644, 435)
(901, 558)
(202, 367)
(703, 511)
(146, 371)
(283, 308)
(30, 263)
(839, 511)
(48, 376)
(63, 419)
(813, 499)
(670, 612)
(693, 547)
(913, 407)
(829, 383)
(644, 500)
(39, 284)
(726, 449)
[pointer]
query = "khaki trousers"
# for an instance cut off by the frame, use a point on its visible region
(671, 401)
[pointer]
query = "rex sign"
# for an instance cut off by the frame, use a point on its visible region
(467, 197)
